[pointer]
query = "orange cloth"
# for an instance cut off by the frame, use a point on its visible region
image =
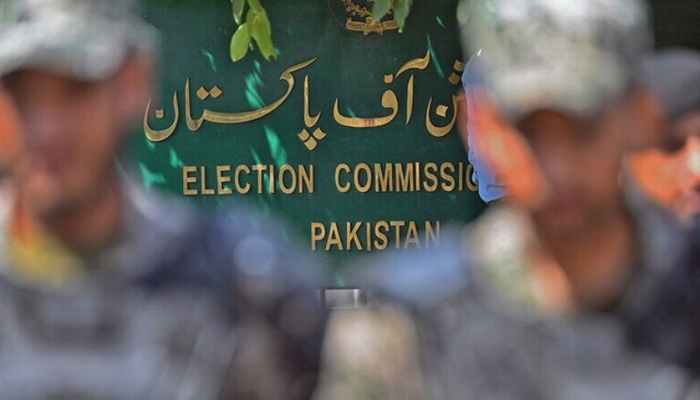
(508, 154)
(9, 131)
(656, 173)
(673, 180)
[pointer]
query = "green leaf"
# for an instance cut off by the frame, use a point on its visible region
(401, 10)
(261, 31)
(240, 42)
(255, 5)
(380, 9)
(267, 48)
(238, 6)
(259, 23)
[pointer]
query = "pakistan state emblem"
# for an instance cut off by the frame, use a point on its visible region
(356, 16)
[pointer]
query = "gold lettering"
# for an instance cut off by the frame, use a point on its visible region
(397, 225)
(157, 136)
(309, 121)
(363, 188)
(368, 229)
(352, 236)
(222, 179)
(432, 234)
(381, 229)
(237, 179)
(374, 27)
(205, 191)
(272, 183)
(383, 178)
(412, 236)
(389, 101)
(417, 169)
(405, 178)
(430, 176)
(409, 103)
(334, 238)
(306, 179)
(283, 184)
(470, 183)
(318, 233)
(441, 131)
(345, 188)
(187, 178)
(247, 116)
(449, 184)
(260, 169)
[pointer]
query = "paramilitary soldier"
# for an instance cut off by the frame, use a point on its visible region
(111, 292)
(533, 300)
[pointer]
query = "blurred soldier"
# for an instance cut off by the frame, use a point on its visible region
(108, 292)
(671, 175)
(533, 300)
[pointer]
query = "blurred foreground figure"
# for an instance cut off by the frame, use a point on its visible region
(107, 292)
(533, 301)
(671, 175)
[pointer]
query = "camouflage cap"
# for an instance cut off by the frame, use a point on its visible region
(86, 39)
(573, 56)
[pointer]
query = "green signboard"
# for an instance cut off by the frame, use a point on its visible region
(350, 134)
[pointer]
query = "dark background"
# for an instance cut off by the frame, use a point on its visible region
(676, 23)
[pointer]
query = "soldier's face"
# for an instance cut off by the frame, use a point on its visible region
(581, 163)
(71, 131)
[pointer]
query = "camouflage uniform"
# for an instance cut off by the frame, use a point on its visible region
(671, 323)
(182, 307)
(482, 334)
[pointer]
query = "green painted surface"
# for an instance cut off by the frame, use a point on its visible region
(350, 67)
